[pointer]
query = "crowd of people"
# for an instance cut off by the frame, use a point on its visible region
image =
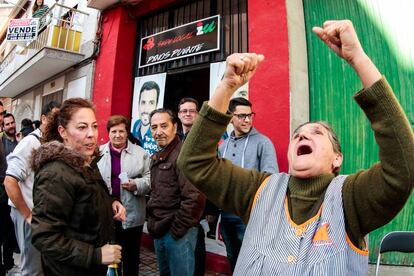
(74, 207)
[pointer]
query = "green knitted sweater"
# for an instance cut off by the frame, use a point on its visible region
(40, 11)
(371, 197)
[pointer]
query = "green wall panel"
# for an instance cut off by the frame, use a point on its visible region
(332, 84)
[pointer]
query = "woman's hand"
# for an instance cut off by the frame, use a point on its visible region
(340, 36)
(240, 68)
(130, 186)
(111, 254)
(119, 211)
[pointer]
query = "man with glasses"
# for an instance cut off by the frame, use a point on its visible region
(187, 113)
(249, 149)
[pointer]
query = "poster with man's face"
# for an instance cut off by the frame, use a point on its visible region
(148, 96)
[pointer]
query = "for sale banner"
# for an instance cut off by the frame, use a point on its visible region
(22, 29)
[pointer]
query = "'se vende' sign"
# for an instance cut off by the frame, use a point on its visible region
(22, 29)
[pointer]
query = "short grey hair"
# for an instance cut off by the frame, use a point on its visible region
(164, 110)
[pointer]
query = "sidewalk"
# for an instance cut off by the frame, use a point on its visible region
(148, 266)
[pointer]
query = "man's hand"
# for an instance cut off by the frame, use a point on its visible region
(130, 186)
(19, 136)
(16, 196)
(341, 37)
(111, 254)
(119, 211)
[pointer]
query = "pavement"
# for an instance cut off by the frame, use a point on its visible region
(149, 267)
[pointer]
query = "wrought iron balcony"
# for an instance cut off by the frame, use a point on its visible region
(57, 47)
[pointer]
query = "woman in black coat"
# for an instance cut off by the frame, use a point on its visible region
(73, 212)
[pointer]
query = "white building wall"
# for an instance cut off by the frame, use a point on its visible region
(76, 82)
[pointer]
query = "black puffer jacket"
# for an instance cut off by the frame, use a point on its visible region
(72, 214)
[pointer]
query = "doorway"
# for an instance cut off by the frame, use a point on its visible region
(194, 83)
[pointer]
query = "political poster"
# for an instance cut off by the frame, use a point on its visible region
(148, 96)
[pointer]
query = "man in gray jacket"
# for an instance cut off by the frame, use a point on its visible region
(249, 149)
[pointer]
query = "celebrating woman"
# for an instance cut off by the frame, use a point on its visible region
(73, 211)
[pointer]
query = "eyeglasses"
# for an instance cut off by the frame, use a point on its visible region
(185, 111)
(243, 116)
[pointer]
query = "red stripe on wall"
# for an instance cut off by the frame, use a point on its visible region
(113, 82)
(269, 89)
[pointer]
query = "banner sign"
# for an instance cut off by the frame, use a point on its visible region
(194, 38)
(22, 29)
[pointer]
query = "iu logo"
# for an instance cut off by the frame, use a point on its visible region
(200, 28)
(205, 29)
(149, 45)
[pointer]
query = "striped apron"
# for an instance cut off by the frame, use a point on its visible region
(275, 245)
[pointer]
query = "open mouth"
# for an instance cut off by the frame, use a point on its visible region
(304, 149)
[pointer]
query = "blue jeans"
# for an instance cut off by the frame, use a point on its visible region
(232, 230)
(176, 257)
(29, 256)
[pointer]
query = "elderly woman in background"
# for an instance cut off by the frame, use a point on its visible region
(73, 212)
(125, 169)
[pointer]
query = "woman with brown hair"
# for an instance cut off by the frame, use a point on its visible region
(39, 9)
(73, 212)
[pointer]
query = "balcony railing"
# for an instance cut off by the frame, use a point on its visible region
(60, 28)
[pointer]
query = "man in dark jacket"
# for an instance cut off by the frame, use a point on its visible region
(175, 205)
(7, 235)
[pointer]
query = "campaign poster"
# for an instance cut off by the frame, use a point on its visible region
(148, 96)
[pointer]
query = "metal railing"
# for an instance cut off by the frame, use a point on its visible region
(60, 27)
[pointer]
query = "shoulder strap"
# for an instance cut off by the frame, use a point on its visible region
(35, 135)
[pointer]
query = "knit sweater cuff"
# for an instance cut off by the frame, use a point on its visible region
(214, 115)
(370, 98)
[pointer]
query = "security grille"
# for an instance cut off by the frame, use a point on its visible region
(233, 33)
